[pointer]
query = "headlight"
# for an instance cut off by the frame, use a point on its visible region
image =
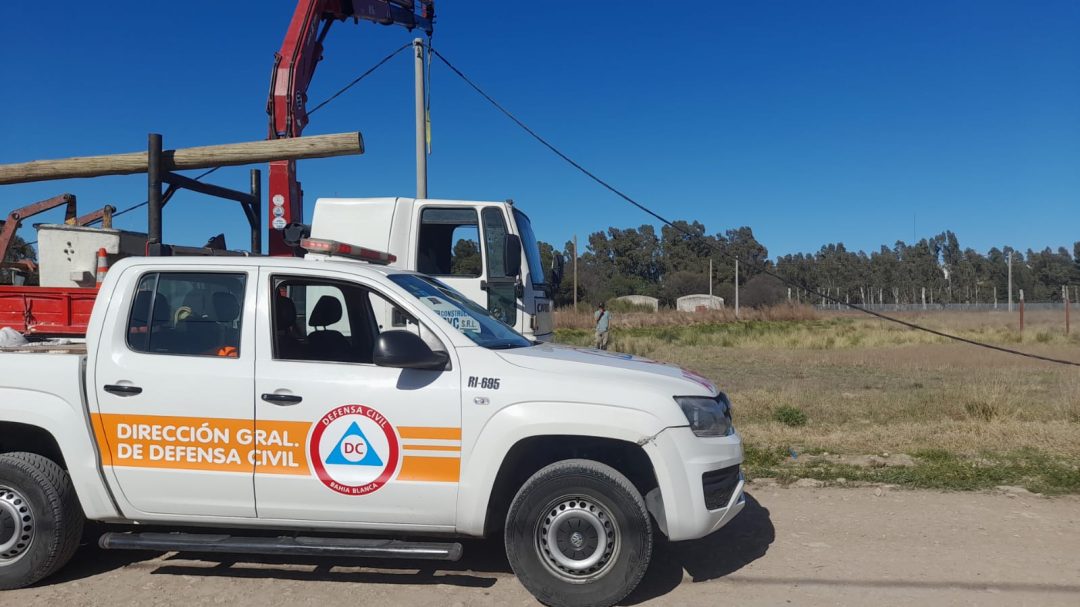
(707, 416)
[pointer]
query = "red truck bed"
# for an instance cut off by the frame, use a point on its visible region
(46, 310)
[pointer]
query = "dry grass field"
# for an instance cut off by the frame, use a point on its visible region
(816, 394)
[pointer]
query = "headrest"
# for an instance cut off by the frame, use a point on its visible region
(226, 306)
(198, 301)
(327, 312)
(284, 313)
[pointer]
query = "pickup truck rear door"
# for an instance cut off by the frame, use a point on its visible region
(173, 381)
(346, 440)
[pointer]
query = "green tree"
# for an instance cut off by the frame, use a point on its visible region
(466, 258)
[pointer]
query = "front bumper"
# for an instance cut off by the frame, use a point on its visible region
(687, 504)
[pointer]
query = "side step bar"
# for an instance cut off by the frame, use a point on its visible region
(295, 546)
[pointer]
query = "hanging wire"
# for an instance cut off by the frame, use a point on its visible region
(759, 267)
(171, 190)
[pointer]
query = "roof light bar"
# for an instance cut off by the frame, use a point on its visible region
(341, 249)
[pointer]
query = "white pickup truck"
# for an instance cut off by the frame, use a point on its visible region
(262, 394)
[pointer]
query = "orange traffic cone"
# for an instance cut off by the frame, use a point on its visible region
(102, 266)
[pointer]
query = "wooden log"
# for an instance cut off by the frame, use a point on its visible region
(230, 154)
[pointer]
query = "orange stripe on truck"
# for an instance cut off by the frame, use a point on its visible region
(429, 433)
(431, 448)
(430, 469)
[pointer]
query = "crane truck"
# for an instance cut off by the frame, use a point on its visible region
(486, 249)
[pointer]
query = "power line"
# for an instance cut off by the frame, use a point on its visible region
(359, 78)
(760, 267)
(171, 190)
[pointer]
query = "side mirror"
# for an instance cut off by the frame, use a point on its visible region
(512, 256)
(405, 350)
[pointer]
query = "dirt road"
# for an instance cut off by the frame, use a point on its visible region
(789, 546)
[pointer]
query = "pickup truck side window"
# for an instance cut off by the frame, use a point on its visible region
(322, 320)
(188, 314)
(449, 242)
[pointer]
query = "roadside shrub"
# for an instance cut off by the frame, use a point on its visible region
(790, 416)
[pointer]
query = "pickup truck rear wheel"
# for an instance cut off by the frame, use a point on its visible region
(41, 521)
(578, 533)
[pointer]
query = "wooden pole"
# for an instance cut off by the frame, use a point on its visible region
(575, 272)
(1021, 310)
(1066, 310)
(230, 154)
(736, 288)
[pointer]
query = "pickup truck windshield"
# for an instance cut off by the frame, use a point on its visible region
(470, 319)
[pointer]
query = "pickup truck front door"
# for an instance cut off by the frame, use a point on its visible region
(346, 440)
(173, 387)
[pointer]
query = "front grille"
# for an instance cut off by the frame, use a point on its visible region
(718, 486)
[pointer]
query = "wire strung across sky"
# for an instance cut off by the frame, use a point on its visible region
(759, 267)
(172, 190)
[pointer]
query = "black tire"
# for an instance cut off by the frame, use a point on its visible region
(41, 521)
(566, 501)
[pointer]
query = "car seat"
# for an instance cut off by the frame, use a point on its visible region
(323, 343)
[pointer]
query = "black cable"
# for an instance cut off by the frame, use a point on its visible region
(759, 267)
(172, 190)
(359, 78)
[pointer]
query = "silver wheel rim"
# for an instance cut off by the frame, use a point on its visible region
(16, 526)
(577, 538)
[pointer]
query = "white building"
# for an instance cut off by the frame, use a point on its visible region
(693, 303)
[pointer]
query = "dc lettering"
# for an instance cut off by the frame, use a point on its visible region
(485, 383)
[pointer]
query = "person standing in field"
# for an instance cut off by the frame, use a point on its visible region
(603, 319)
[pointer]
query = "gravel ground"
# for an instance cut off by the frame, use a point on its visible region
(800, 546)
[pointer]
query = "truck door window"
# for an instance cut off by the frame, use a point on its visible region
(502, 291)
(390, 317)
(532, 249)
(187, 313)
(449, 242)
(320, 320)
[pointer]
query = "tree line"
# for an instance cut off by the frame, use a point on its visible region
(675, 262)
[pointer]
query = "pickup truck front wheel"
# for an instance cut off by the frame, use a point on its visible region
(40, 519)
(578, 533)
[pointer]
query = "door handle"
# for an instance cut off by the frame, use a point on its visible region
(119, 390)
(283, 400)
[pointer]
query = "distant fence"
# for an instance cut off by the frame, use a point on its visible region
(953, 307)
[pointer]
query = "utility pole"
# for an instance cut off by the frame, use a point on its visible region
(1010, 281)
(1066, 290)
(736, 288)
(1021, 310)
(575, 272)
(421, 120)
(710, 283)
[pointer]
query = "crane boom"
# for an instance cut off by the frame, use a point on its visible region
(294, 66)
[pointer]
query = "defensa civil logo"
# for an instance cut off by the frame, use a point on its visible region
(354, 450)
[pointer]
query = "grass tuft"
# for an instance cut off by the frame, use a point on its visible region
(790, 416)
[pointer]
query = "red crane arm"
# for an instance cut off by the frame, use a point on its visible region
(294, 66)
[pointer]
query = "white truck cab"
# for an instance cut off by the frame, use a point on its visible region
(254, 394)
(475, 247)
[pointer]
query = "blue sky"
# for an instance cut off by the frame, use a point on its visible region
(811, 122)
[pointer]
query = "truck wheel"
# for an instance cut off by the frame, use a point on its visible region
(577, 534)
(40, 519)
